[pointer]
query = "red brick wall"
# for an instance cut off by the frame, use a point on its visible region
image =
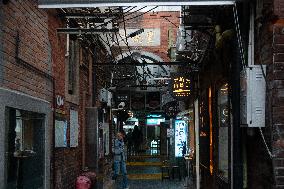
(272, 54)
(68, 161)
(279, 8)
(22, 18)
(277, 88)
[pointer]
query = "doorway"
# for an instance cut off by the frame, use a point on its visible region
(24, 144)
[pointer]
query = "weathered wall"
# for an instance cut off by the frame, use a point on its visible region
(25, 36)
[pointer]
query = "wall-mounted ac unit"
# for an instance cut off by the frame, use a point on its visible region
(252, 97)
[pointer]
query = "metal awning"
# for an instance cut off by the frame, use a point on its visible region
(105, 3)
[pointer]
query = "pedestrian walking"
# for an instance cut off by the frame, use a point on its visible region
(120, 160)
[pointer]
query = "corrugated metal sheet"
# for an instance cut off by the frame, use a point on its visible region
(94, 3)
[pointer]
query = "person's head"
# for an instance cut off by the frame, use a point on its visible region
(136, 127)
(119, 136)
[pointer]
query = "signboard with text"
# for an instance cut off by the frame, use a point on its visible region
(150, 37)
(180, 138)
(180, 87)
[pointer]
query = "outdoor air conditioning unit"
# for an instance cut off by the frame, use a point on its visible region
(252, 97)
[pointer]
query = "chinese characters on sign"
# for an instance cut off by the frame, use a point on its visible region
(181, 87)
(180, 138)
(150, 37)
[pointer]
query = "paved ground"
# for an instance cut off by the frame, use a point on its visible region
(144, 172)
(153, 184)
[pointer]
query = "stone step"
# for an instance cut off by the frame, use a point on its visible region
(154, 176)
(138, 163)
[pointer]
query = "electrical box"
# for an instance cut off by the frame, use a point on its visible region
(252, 97)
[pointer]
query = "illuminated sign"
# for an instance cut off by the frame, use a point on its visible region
(181, 87)
(181, 133)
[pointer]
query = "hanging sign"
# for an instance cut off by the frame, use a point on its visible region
(180, 87)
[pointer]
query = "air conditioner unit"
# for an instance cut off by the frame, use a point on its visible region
(252, 97)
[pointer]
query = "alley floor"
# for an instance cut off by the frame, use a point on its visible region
(145, 172)
(153, 184)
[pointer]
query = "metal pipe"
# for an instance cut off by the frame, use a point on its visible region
(145, 63)
(77, 31)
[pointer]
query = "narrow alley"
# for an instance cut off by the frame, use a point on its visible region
(141, 94)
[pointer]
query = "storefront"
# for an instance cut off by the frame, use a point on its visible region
(25, 141)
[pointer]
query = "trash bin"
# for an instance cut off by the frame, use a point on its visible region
(83, 182)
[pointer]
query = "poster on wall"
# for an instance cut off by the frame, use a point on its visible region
(74, 128)
(60, 133)
(181, 133)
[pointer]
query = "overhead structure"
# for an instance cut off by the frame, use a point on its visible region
(104, 3)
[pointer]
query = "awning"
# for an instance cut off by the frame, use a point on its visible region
(106, 3)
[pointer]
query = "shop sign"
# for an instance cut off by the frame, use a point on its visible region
(150, 37)
(181, 87)
(180, 137)
(59, 100)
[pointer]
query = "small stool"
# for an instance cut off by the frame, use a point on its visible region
(175, 169)
(165, 169)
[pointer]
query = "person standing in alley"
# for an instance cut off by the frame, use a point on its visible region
(120, 160)
(136, 139)
(129, 142)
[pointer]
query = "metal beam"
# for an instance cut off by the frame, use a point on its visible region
(90, 15)
(78, 31)
(145, 64)
(106, 3)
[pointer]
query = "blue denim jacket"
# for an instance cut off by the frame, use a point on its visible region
(119, 154)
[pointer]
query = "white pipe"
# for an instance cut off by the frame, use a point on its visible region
(67, 40)
(196, 125)
(153, 3)
(251, 38)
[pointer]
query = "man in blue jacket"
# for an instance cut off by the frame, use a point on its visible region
(120, 160)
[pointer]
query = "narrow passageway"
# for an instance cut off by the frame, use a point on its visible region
(184, 94)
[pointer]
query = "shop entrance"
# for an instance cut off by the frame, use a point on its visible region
(24, 160)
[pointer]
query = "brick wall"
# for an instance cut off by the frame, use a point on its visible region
(277, 88)
(68, 161)
(24, 32)
(272, 54)
(156, 20)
